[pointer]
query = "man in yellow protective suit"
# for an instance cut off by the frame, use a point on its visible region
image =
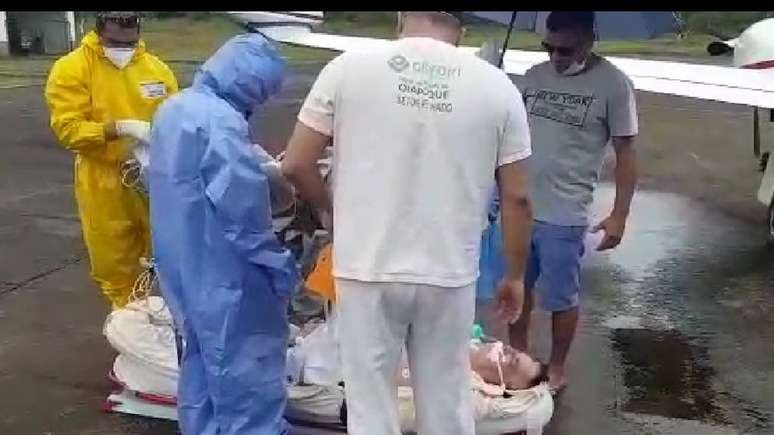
(102, 97)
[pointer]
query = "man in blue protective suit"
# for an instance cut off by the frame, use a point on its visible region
(224, 275)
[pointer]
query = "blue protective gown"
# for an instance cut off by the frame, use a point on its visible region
(491, 263)
(224, 275)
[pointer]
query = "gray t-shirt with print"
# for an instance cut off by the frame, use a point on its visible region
(572, 119)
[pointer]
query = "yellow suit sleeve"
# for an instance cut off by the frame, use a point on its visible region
(69, 102)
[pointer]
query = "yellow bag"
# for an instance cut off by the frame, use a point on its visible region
(320, 281)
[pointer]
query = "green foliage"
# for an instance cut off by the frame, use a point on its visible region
(730, 23)
(163, 15)
(367, 17)
(725, 23)
(201, 15)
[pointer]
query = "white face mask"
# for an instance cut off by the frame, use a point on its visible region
(574, 68)
(120, 56)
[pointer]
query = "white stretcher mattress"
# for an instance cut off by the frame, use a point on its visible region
(145, 373)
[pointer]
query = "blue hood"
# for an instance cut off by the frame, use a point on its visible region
(245, 71)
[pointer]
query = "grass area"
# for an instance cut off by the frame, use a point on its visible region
(7, 82)
(196, 37)
(725, 24)
(184, 41)
(381, 26)
(16, 71)
(175, 39)
(25, 66)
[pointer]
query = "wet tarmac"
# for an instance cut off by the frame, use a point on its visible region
(676, 332)
(681, 311)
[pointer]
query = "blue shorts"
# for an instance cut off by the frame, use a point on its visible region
(553, 265)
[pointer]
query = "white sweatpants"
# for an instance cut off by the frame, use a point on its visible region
(374, 321)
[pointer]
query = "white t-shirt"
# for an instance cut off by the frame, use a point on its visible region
(418, 129)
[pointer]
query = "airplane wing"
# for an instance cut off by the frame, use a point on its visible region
(707, 82)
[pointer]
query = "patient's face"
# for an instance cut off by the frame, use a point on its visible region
(519, 369)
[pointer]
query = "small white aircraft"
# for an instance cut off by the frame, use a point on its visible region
(750, 82)
(754, 49)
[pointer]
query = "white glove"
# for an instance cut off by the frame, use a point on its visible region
(281, 192)
(141, 154)
(138, 130)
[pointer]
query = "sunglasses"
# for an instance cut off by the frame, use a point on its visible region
(561, 51)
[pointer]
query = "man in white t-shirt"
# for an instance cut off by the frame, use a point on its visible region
(421, 130)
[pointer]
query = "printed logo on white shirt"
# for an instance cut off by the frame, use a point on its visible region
(398, 63)
(430, 71)
(423, 85)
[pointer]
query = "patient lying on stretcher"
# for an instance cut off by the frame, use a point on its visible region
(497, 364)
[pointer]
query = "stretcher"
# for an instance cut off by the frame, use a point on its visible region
(145, 375)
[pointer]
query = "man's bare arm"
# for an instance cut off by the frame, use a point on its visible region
(516, 226)
(625, 174)
(299, 165)
(516, 217)
(625, 185)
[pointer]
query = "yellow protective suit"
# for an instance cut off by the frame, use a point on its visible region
(84, 91)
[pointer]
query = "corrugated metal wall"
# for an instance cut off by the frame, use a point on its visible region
(39, 32)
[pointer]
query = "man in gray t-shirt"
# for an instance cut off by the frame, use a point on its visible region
(578, 102)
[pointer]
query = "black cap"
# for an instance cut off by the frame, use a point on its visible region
(119, 14)
(560, 20)
(123, 18)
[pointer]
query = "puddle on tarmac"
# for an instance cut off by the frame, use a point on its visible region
(666, 375)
